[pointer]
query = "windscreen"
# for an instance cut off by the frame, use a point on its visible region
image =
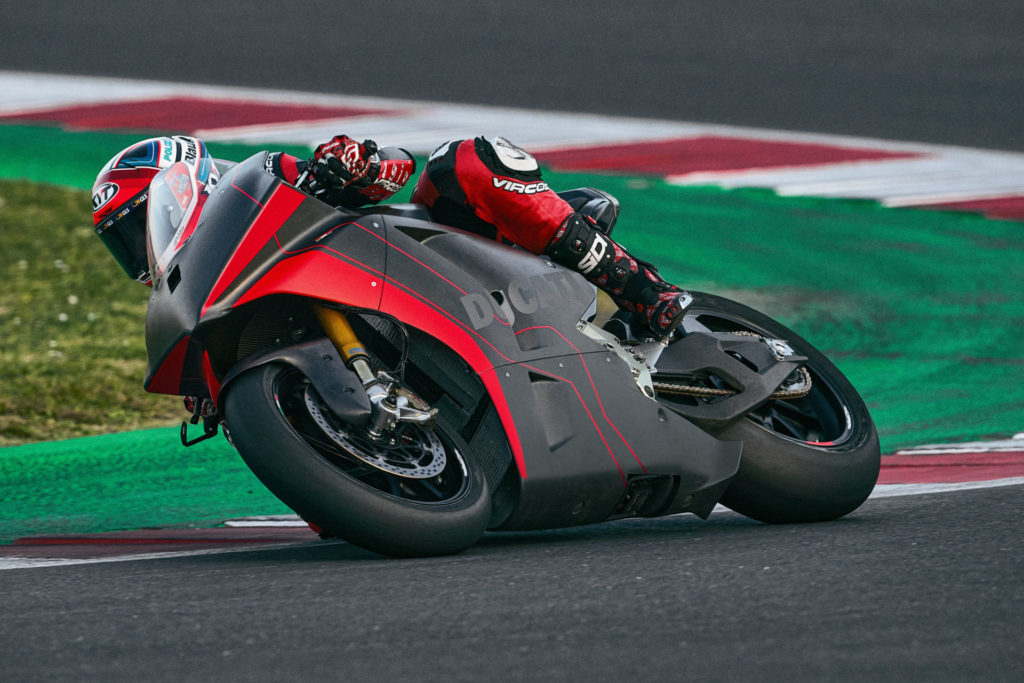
(173, 196)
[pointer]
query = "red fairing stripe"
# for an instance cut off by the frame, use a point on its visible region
(586, 409)
(439, 324)
(413, 307)
(281, 204)
(415, 260)
(166, 379)
(317, 274)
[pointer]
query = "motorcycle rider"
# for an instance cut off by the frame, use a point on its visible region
(484, 185)
(494, 188)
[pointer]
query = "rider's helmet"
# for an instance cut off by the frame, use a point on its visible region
(120, 194)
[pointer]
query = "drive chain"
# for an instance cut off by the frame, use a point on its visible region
(804, 383)
(710, 392)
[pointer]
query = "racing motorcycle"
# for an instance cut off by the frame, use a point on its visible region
(406, 386)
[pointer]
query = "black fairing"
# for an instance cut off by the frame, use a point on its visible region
(587, 443)
(585, 429)
(178, 295)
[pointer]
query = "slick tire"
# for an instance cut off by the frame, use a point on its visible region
(783, 479)
(303, 471)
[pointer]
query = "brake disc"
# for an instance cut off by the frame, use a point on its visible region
(415, 453)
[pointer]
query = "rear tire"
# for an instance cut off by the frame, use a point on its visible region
(344, 496)
(804, 460)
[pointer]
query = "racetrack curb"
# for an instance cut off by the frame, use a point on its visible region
(897, 174)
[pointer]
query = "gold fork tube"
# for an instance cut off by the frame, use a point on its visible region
(341, 334)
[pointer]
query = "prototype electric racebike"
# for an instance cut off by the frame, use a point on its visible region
(406, 386)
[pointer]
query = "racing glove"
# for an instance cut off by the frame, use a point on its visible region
(348, 173)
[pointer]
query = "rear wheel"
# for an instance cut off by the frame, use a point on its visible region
(414, 495)
(811, 458)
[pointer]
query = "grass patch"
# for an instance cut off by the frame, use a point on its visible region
(73, 358)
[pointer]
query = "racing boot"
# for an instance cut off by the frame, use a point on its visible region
(633, 285)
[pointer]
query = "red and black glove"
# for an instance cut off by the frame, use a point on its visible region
(340, 162)
(345, 172)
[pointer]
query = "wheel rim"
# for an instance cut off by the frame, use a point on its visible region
(422, 466)
(819, 419)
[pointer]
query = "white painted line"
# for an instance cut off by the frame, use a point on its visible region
(880, 491)
(259, 523)
(949, 176)
(895, 490)
(1016, 443)
(36, 562)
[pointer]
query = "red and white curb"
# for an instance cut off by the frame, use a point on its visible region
(897, 174)
(939, 468)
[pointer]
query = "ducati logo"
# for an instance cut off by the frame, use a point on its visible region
(522, 296)
(597, 251)
(103, 194)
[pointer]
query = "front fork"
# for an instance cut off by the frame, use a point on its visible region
(390, 403)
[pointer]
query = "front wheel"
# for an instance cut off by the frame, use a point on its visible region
(421, 494)
(806, 459)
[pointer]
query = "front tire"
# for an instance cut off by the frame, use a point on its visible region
(810, 459)
(330, 486)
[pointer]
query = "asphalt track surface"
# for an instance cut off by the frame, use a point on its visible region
(916, 588)
(923, 588)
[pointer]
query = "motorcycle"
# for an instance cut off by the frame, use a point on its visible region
(407, 386)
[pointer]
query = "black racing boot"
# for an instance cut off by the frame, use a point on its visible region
(633, 285)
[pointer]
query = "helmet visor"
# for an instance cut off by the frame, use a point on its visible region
(124, 235)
